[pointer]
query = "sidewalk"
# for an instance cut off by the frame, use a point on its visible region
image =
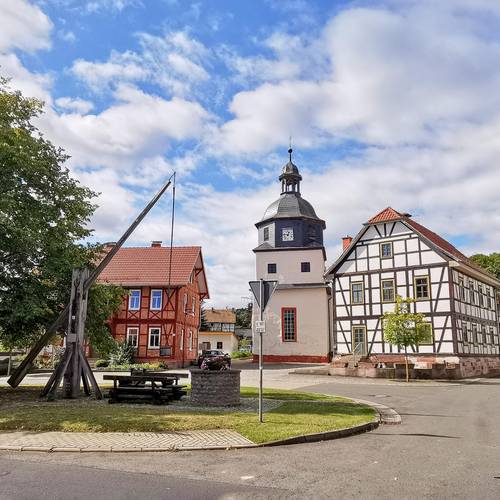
(122, 441)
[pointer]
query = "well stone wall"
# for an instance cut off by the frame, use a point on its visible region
(215, 388)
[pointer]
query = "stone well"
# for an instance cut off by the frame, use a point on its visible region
(215, 388)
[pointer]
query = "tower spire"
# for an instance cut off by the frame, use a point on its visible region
(290, 177)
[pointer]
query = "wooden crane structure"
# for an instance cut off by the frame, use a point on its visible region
(74, 367)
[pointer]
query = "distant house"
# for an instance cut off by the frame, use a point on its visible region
(160, 316)
(219, 331)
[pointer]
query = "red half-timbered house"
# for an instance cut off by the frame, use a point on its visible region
(160, 316)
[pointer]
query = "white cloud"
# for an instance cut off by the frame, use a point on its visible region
(113, 5)
(23, 26)
(30, 84)
(138, 125)
(74, 104)
(175, 62)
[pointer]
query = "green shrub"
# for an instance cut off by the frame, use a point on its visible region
(101, 363)
(139, 366)
(123, 355)
(241, 355)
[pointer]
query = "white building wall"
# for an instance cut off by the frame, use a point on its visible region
(229, 341)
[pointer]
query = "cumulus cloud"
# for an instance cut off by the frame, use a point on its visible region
(175, 62)
(74, 104)
(24, 26)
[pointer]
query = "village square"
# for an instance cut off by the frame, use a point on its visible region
(222, 277)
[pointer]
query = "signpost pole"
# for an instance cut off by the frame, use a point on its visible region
(261, 356)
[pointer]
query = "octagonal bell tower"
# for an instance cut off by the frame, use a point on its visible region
(290, 250)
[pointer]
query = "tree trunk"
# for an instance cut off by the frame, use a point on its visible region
(9, 366)
(406, 363)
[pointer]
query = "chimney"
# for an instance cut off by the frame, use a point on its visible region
(346, 241)
(156, 243)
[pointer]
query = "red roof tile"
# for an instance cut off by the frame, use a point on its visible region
(134, 266)
(389, 214)
(386, 215)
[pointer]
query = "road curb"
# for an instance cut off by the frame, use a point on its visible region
(386, 416)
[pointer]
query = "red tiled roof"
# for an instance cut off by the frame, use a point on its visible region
(389, 214)
(133, 266)
(386, 215)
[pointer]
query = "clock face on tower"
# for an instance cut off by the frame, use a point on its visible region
(287, 234)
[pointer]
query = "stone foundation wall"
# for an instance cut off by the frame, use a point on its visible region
(421, 366)
(215, 388)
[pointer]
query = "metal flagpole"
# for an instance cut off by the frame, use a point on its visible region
(261, 356)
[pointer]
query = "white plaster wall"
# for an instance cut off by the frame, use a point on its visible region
(312, 323)
(230, 342)
(288, 265)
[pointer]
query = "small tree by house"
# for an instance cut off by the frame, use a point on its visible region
(404, 328)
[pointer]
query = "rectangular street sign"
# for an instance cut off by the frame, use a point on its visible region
(260, 326)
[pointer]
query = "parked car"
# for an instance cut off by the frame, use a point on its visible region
(214, 356)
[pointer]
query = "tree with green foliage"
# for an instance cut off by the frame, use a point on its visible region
(404, 328)
(244, 317)
(104, 301)
(489, 262)
(44, 217)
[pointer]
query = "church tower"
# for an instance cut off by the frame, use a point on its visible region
(290, 250)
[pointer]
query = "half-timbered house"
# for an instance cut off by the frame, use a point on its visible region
(394, 255)
(160, 316)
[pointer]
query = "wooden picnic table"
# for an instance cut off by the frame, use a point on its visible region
(160, 387)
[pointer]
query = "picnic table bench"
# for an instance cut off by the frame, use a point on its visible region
(144, 385)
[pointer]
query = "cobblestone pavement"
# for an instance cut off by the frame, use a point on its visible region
(122, 441)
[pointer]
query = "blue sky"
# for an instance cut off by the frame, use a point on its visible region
(389, 102)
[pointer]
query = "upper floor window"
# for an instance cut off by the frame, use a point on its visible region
(386, 250)
(388, 290)
(266, 234)
(481, 295)
(134, 299)
(185, 303)
(461, 287)
(484, 334)
(474, 333)
(422, 289)
(271, 268)
(305, 267)
(155, 300)
(289, 324)
(357, 293)
(492, 335)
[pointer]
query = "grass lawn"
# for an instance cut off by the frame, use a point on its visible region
(301, 413)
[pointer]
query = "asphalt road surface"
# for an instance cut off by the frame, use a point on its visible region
(448, 446)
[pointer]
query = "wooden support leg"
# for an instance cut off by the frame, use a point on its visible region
(90, 375)
(50, 390)
(86, 386)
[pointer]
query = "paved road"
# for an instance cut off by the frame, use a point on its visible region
(448, 446)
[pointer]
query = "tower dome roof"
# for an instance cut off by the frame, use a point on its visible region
(290, 205)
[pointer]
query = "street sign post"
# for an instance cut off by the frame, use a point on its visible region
(262, 291)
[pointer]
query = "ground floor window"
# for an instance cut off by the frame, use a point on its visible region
(205, 346)
(427, 329)
(359, 340)
(154, 338)
(220, 345)
(133, 336)
(289, 324)
(190, 340)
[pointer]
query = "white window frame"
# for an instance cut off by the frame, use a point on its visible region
(362, 291)
(151, 299)
(130, 297)
(151, 328)
(136, 335)
(382, 256)
(181, 346)
(415, 287)
(393, 291)
(190, 337)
